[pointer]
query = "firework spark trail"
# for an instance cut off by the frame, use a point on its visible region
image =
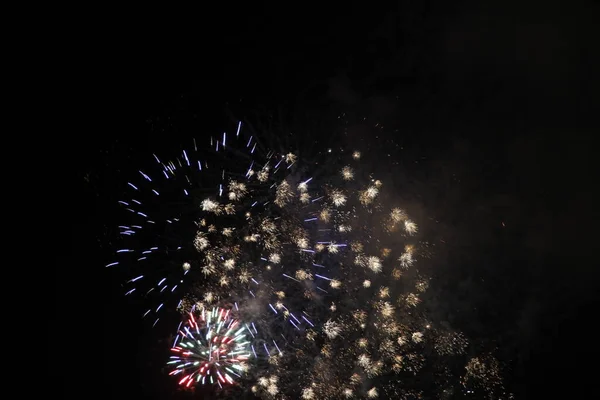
(364, 327)
(331, 257)
(376, 324)
(250, 233)
(235, 247)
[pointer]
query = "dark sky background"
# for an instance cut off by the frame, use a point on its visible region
(495, 105)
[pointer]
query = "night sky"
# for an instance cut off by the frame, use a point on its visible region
(491, 112)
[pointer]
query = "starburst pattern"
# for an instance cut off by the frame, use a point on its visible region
(213, 348)
(325, 261)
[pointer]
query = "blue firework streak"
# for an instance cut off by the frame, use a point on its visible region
(231, 221)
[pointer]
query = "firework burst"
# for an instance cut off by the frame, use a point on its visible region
(234, 204)
(213, 348)
(326, 263)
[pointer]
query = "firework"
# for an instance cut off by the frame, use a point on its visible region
(483, 376)
(213, 225)
(374, 323)
(327, 264)
(238, 228)
(213, 348)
